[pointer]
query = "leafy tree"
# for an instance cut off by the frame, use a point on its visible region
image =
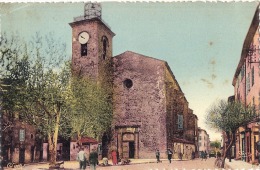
(47, 91)
(228, 117)
(215, 144)
(38, 80)
(13, 74)
(39, 86)
(91, 112)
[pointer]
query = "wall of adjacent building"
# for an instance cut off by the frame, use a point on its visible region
(12, 145)
(246, 84)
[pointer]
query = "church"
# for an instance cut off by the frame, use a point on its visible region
(150, 110)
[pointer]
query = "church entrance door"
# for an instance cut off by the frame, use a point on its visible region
(131, 149)
(128, 142)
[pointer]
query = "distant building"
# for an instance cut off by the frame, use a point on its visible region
(204, 140)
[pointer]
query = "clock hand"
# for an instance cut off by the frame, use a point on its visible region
(82, 37)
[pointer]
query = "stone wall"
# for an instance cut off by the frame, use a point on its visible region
(139, 99)
(89, 65)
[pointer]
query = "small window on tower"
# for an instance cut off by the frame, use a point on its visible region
(84, 49)
(105, 45)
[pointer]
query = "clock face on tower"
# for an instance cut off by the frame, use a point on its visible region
(83, 37)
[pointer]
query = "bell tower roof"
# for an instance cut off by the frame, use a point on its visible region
(92, 12)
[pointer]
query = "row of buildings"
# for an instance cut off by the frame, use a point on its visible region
(246, 82)
(150, 109)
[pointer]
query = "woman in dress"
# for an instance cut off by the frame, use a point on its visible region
(114, 157)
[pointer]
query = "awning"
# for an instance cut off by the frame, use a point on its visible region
(88, 140)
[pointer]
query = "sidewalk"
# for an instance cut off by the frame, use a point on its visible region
(238, 164)
(75, 164)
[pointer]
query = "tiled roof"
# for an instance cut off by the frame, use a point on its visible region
(88, 140)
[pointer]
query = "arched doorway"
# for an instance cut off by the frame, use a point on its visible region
(128, 142)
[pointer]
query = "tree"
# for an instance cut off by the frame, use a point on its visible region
(91, 111)
(47, 91)
(228, 117)
(91, 102)
(40, 77)
(39, 86)
(13, 73)
(215, 144)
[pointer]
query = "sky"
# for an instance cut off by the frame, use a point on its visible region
(200, 41)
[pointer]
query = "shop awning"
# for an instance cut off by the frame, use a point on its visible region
(88, 140)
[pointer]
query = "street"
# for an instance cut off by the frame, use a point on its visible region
(139, 165)
(165, 165)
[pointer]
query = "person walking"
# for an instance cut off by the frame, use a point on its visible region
(193, 155)
(205, 155)
(114, 157)
(201, 155)
(157, 154)
(81, 157)
(169, 152)
(93, 159)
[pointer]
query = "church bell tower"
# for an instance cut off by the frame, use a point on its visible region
(91, 43)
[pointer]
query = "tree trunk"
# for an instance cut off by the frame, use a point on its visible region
(52, 150)
(231, 138)
(79, 139)
(53, 140)
(229, 154)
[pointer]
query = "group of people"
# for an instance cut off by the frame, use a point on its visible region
(169, 153)
(82, 158)
(93, 159)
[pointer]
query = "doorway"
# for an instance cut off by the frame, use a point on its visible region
(32, 153)
(128, 142)
(131, 149)
(22, 155)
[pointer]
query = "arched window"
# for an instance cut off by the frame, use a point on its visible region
(104, 46)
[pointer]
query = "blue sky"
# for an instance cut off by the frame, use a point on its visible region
(201, 42)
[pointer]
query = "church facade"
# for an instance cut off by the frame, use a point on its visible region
(150, 110)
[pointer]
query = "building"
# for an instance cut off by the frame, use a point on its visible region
(19, 142)
(204, 140)
(246, 84)
(150, 110)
